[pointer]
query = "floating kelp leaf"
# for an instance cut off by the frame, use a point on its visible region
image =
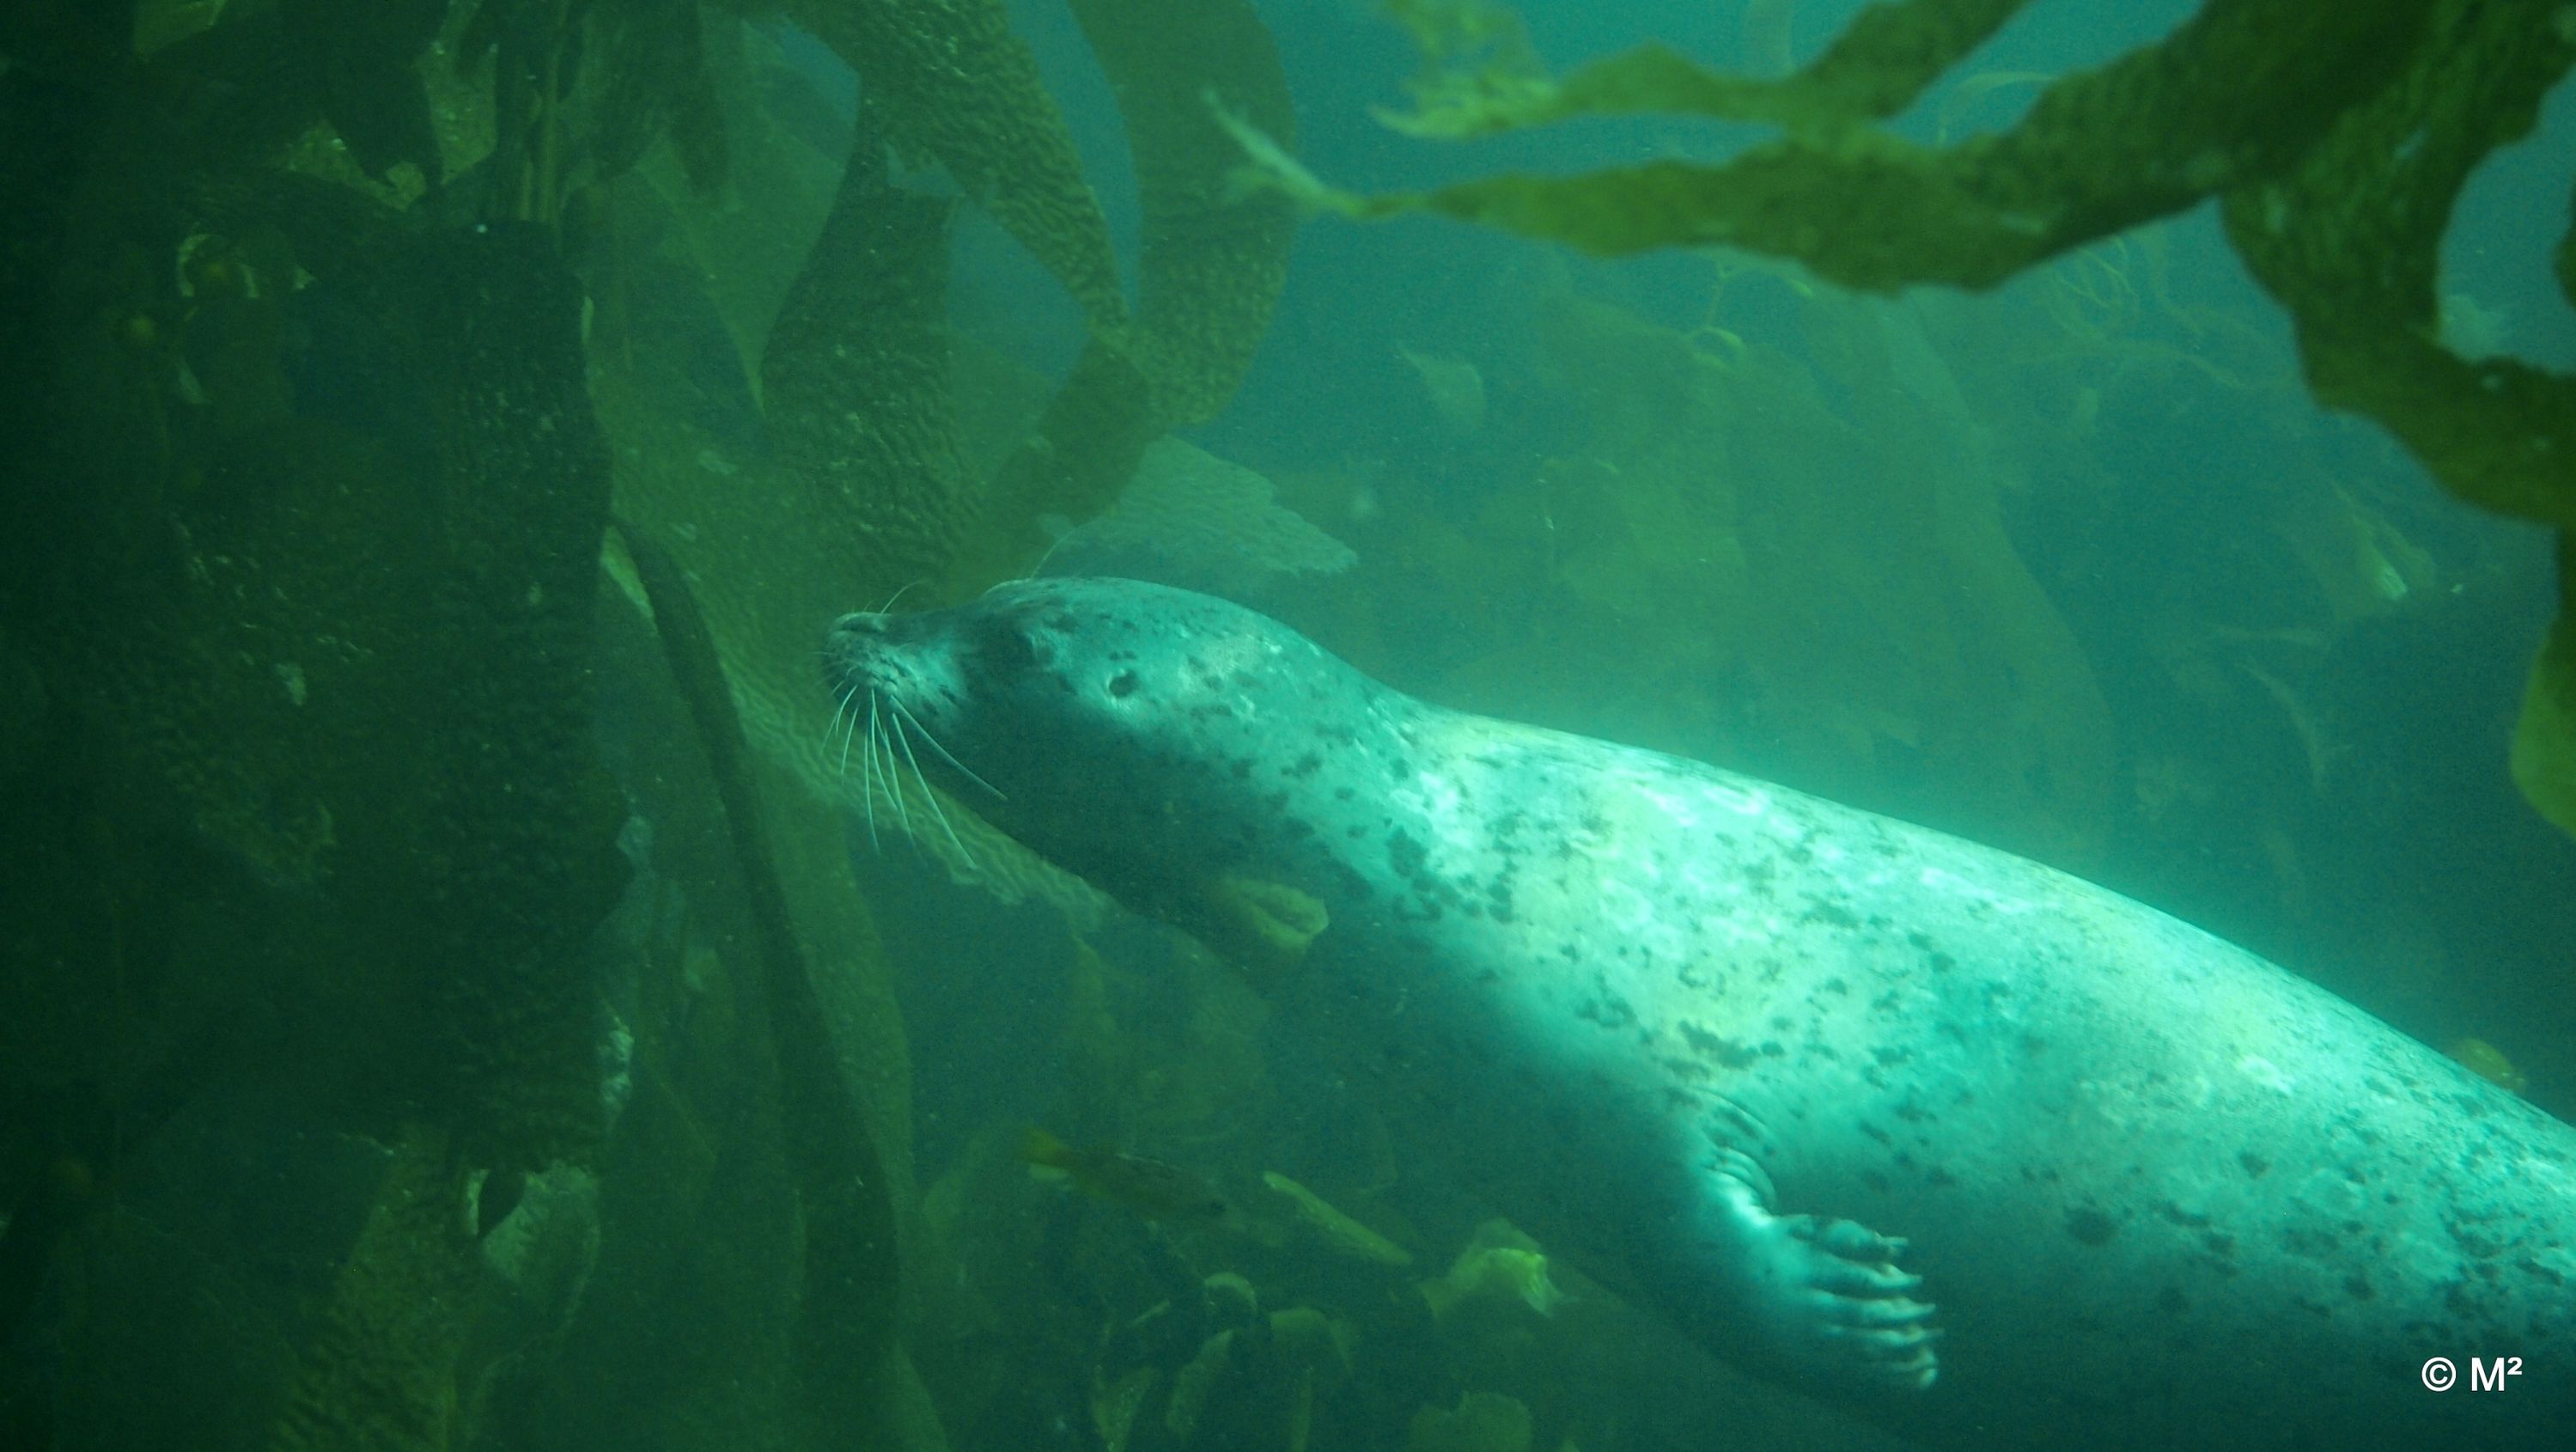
(1208, 518)
(2361, 564)
(1263, 927)
(2317, 746)
(2350, 241)
(455, 810)
(957, 85)
(1766, 36)
(2487, 1062)
(1457, 390)
(751, 238)
(2236, 92)
(1082, 452)
(1499, 1267)
(1962, 98)
(1874, 70)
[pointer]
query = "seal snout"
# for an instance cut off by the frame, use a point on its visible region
(851, 645)
(854, 637)
(854, 627)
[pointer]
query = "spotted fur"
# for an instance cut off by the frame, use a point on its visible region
(1722, 1044)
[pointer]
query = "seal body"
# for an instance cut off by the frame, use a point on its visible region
(1815, 1084)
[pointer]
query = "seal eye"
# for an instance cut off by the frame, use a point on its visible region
(1123, 684)
(1007, 651)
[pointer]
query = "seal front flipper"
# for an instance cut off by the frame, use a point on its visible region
(1816, 1301)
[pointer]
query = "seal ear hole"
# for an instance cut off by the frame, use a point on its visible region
(1123, 684)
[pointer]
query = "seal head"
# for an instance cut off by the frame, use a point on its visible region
(1211, 768)
(1124, 731)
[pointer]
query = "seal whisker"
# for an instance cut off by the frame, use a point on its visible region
(894, 783)
(943, 751)
(867, 769)
(843, 708)
(1052, 546)
(927, 794)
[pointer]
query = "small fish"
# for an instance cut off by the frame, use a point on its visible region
(1151, 1188)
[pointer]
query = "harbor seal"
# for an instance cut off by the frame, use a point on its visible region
(1815, 1085)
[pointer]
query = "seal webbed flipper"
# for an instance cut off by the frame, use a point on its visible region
(1820, 1299)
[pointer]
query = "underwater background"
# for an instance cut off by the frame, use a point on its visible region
(455, 994)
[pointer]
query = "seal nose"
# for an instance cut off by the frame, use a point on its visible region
(855, 628)
(851, 642)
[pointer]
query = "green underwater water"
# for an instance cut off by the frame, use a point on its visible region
(451, 994)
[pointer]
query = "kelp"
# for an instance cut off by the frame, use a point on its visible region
(1700, 552)
(2233, 94)
(2544, 736)
(363, 59)
(1084, 449)
(1205, 521)
(853, 488)
(2337, 138)
(2349, 239)
(861, 472)
(313, 591)
(348, 695)
(1213, 262)
(855, 382)
(844, 1329)
(379, 1370)
(310, 596)
(1211, 267)
(654, 84)
(749, 240)
(325, 635)
(957, 85)
(1873, 70)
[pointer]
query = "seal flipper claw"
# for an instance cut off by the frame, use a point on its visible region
(1735, 1164)
(1820, 1300)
